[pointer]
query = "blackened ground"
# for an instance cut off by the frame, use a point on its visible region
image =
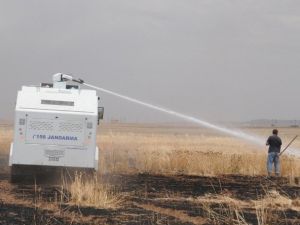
(150, 199)
(242, 187)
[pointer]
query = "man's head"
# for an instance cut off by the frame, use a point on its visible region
(275, 132)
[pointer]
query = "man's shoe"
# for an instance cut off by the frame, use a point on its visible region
(269, 174)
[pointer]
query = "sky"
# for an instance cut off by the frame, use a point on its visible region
(226, 60)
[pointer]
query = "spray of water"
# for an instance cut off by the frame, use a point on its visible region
(236, 133)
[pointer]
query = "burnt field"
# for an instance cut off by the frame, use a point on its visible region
(157, 199)
(152, 174)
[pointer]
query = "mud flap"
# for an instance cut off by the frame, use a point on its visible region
(10, 154)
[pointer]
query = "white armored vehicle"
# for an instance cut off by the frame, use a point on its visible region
(55, 127)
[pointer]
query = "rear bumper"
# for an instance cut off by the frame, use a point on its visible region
(37, 159)
(41, 170)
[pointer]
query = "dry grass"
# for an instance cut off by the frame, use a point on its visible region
(223, 209)
(272, 201)
(92, 192)
(181, 216)
(129, 148)
(174, 150)
(6, 134)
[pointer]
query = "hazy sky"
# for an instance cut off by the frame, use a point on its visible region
(216, 60)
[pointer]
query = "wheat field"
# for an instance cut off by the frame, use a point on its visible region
(131, 148)
(171, 149)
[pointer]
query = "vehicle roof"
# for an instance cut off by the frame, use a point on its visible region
(43, 98)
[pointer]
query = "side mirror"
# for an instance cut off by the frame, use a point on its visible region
(100, 114)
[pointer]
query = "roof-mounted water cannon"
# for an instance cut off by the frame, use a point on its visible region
(60, 80)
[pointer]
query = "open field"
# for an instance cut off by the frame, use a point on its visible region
(161, 174)
(187, 150)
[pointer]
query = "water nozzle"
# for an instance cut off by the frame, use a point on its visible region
(60, 77)
(80, 81)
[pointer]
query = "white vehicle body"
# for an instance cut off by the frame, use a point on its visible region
(55, 126)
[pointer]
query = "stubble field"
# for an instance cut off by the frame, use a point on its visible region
(161, 174)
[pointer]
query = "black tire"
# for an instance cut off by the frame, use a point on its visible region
(19, 174)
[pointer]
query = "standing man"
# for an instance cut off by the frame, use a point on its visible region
(274, 143)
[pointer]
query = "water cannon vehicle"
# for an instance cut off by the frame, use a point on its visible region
(55, 127)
